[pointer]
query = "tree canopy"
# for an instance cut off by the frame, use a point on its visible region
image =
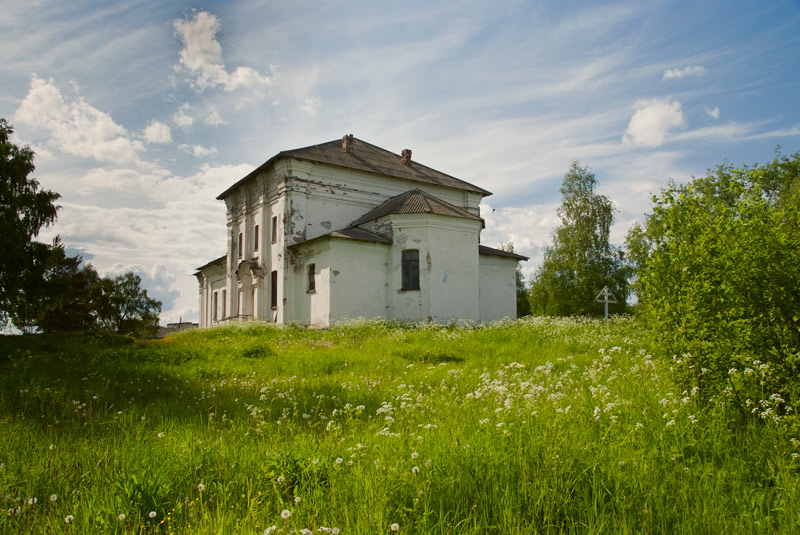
(718, 266)
(581, 261)
(24, 210)
(41, 287)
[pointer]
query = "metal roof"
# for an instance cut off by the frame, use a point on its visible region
(414, 201)
(366, 157)
(482, 249)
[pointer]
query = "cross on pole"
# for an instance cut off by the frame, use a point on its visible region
(605, 296)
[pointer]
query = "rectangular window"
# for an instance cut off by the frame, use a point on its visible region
(273, 298)
(274, 229)
(241, 244)
(410, 269)
(255, 242)
(312, 281)
(224, 303)
(214, 307)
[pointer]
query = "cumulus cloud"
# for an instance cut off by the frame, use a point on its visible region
(691, 70)
(76, 127)
(157, 132)
(652, 121)
(198, 150)
(182, 117)
(158, 281)
(713, 112)
(213, 117)
(201, 56)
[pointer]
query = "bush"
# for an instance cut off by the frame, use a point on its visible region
(718, 265)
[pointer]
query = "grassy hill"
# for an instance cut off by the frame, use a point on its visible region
(535, 426)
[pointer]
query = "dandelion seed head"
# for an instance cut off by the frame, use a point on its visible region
(151, 514)
(68, 519)
(201, 487)
(285, 514)
(395, 527)
(53, 497)
(122, 516)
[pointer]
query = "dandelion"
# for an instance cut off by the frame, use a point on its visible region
(68, 519)
(270, 529)
(395, 527)
(160, 435)
(280, 480)
(201, 487)
(285, 514)
(428, 462)
(31, 501)
(414, 455)
(335, 531)
(121, 516)
(415, 470)
(339, 460)
(152, 514)
(297, 499)
(53, 497)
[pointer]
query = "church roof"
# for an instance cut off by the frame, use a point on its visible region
(482, 249)
(364, 156)
(351, 233)
(414, 201)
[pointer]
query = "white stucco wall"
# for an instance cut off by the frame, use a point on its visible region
(498, 292)
(358, 284)
(448, 255)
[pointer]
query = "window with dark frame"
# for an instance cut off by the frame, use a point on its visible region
(312, 281)
(273, 297)
(410, 268)
(255, 239)
(214, 308)
(224, 303)
(241, 244)
(274, 229)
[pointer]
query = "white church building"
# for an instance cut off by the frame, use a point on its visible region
(346, 230)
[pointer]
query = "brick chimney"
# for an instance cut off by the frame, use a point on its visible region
(406, 157)
(347, 143)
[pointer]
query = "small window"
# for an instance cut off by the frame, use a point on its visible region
(312, 281)
(274, 229)
(255, 239)
(410, 269)
(273, 298)
(214, 307)
(224, 303)
(241, 244)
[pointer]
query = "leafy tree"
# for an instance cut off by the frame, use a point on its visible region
(125, 308)
(70, 294)
(718, 265)
(24, 210)
(581, 261)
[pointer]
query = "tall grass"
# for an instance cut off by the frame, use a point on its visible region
(535, 426)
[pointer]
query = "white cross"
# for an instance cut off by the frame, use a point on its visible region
(605, 296)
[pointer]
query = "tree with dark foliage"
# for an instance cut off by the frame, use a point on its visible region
(24, 210)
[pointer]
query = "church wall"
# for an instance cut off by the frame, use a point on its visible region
(498, 292)
(358, 285)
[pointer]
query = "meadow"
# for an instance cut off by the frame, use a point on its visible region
(535, 426)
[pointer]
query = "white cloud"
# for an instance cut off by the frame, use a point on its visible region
(652, 122)
(198, 150)
(182, 117)
(201, 55)
(310, 106)
(692, 70)
(158, 281)
(76, 127)
(213, 117)
(157, 132)
(713, 112)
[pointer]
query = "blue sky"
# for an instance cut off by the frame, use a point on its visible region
(141, 113)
